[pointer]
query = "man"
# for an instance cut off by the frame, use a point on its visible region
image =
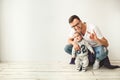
(94, 37)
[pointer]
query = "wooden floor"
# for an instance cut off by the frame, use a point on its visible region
(54, 71)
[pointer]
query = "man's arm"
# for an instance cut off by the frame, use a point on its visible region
(97, 36)
(103, 41)
(71, 41)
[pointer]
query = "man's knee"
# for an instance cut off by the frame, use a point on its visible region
(101, 53)
(68, 48)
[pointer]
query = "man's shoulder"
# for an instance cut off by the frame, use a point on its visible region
(91, 25)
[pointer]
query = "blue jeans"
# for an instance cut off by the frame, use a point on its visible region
(68, 48)
(100, 52)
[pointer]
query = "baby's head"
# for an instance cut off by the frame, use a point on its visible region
(77, 36)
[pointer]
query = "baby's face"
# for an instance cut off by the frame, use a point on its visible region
(77, 37)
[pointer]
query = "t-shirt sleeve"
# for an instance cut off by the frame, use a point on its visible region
(98, 32)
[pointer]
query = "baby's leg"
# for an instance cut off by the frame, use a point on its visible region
(85, 63)
(78, 63)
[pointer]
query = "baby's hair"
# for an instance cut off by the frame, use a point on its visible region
(78, 33)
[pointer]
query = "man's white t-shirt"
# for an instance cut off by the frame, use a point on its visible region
(89, 29)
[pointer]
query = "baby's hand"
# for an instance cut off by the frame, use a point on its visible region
(92, 52)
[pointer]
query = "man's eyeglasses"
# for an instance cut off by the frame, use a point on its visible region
(76, 25)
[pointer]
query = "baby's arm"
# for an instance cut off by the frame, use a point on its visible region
(73, 53)
(89, 47)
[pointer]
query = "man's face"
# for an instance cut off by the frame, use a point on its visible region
(77, 25)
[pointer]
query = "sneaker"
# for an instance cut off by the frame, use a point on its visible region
(79, 68)
(96, 64)
(72, 61)
(84, 69)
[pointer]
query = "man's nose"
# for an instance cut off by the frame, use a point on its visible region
(76, 27)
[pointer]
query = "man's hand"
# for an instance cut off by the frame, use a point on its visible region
(93, 52)
(93, 36)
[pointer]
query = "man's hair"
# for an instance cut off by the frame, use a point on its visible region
(73, 17)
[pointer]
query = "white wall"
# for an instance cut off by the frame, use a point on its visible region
(0, 27)
(36, 30)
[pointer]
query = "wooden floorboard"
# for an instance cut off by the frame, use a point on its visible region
(54, 71)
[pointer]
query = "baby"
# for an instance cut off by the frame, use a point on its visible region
(82, 54)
